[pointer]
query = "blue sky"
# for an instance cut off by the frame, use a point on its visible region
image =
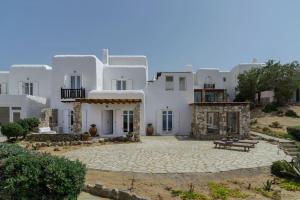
(171, 33)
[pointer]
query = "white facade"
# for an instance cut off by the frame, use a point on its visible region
(164, 101)
(25, 90)
(227, 80)
(170, 99)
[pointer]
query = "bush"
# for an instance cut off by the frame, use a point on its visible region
(294, 131)
(281, 168)
(33, 123)
(270, 108)
(30, 175)
(275, 124)
(266, 130)
(24, 125)
(291, 113)
(12, 130)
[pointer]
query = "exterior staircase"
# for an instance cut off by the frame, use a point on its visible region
(290, 148)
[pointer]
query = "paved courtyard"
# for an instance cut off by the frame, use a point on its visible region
(169, 155)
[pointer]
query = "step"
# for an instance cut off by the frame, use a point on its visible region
(293, 153)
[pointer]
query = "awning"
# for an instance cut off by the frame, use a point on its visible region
(220, 103)
(109, 101)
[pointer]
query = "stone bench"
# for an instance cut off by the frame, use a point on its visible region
(46, 130)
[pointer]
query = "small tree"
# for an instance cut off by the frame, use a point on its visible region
(12, 130)
(248, 85)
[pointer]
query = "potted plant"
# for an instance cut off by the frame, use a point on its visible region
(85, 136)
(93, 130)
(130, 136)
(150, 129)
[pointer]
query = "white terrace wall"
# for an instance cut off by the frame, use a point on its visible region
(89, 67)
(39, 75)
(158, 99)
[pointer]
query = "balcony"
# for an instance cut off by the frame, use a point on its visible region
(72, 93)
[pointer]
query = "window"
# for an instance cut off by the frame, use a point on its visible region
(75, 82)
(121, 85)
(224, 79)
(182, 83)
(208, 83)
(28, 88)
(167, 120)
(212, 122)
(197, 96)
(169, 83)
(127, 121)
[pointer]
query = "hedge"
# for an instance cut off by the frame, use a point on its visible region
(281, 168)
(31, 175)
(12, 130)
(294, 131)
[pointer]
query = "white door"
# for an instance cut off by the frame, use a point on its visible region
(66, 123)
(107, 122)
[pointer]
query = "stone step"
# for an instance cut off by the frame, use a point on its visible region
(293, 154)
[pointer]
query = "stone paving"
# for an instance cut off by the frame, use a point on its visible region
(169, 155)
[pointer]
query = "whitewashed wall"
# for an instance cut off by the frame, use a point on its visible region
(39, 75)
(158, 99)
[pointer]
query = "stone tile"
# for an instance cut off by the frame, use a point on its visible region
(169, 155)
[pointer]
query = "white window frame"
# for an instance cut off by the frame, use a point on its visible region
(123, 85)
(169, 84)
(77, 81)
(182, 87)
(127, 113)
(167, 114)
(30, 87)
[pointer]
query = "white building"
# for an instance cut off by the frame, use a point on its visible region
(111, 93)
(24, 91)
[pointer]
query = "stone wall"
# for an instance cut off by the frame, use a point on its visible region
(199, 124)
(136, 122)
(77, 118)
(48, 118)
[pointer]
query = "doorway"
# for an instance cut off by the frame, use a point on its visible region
(107, 122)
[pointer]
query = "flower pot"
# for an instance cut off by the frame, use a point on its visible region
(93, 130)
(85, 136)
(150, 130)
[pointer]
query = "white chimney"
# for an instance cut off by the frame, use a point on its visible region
(254, 60)
(188, 68)
(105, 56)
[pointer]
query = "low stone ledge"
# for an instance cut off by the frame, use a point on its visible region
(112, 193)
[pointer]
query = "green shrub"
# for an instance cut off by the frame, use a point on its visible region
(30, 175)
(275, 124)
(12, 130)
(188, 195)
(290, 185)
(281, 168)
(291, 113)
(24, 125)
(222, 191)
(33, 123)
(266, 130)
(270, 108)
(294, 131)
(267, 186)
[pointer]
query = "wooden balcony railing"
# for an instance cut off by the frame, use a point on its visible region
(72, 93)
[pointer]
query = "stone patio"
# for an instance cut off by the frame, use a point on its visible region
(167, 154)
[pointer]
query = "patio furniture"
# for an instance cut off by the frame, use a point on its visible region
(250, 142)
(225, 144)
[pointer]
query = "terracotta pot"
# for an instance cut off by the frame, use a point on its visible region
(150, 130)
(93, 130)
(85, 136)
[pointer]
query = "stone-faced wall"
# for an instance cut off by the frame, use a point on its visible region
(199, 124)
(136, 122)
(48, 118)
(77, 118)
